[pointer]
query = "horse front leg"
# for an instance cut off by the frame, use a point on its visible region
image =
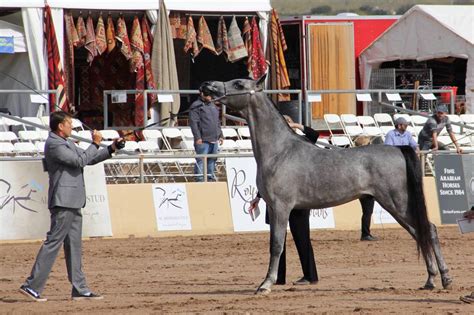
(446, 279)
(278, 224)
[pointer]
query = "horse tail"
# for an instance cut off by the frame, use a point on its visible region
(416, 202)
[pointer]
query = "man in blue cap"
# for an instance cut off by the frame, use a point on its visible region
(428, 137)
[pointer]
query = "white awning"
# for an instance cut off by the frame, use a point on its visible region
(181, 5)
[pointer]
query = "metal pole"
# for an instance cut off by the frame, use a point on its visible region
(140, 164)
(106, 110)
(224, 110)
(145, 108)
(452, 101)
(300, 110)
(423, 161)
(204, 168)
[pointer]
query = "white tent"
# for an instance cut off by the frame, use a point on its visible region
(422, 33)
(15, 31)
(17, 66)
(32, 16)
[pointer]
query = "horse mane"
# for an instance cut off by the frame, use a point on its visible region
(295, 136)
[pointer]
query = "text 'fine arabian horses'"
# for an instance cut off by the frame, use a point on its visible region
(293, 173)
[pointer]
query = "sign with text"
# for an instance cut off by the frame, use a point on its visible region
(241, 175)
(381, 216)
(96, 213)
(322, 219)
(24, 210)
(454, 177)
(171, 207)
(7, 45)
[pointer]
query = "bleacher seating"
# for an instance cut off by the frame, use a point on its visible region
(30, 141)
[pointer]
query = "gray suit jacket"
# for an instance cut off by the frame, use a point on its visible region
(64, 162)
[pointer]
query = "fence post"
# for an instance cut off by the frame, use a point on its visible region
(140, 164)
(423, 163)
(204, 168)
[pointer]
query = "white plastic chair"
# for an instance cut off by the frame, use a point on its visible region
(228, 145)
(351, 126)
(77, 124)
(230, 133)
(187, 134)
(322, 140)
(172, 138)
(369, 126)
(34, 120)
(45, 120)
(418, 123)
(7, 123)
(7, 148)
(244, 132)
(39, 145)
(85, 134)
(25, 148)
(384, 121)
(341, 141)
(455, 119)
(131, 147)
(109, 134)
(43, 135)
(187, 145)
(333, 122)
(8, 136)
(29, 135)
(244, 144)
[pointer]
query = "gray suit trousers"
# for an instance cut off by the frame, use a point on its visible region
(66, 228)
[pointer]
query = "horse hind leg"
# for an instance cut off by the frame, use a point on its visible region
(278, 224)
(406, 221)
(446, 280)
(428, 257)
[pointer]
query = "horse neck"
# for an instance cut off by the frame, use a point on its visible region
(267, 128)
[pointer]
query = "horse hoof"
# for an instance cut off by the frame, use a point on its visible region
(448, 285)
(428, 287)
(263, 291)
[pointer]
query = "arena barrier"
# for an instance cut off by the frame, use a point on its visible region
(162, 209)
(132, 210)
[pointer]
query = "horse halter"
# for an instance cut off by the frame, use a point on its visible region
(251, 92)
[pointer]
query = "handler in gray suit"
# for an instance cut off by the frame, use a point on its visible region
(64, 162)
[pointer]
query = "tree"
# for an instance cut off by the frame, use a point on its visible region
(323, 9)
(404, 8)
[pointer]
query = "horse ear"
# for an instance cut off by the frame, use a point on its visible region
(261, 80)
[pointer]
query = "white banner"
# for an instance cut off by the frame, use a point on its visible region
(96, 213)
(171, 207)
(322, 219)
(24, 210)
(241, 174)
(381, 216)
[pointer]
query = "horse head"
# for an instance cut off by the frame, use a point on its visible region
(233, 93)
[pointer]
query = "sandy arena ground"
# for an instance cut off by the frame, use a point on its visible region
(219, 274)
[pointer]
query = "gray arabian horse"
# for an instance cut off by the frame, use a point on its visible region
(293, 173)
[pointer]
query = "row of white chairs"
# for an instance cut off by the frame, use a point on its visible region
(381, 123)
(41, 121)
(24, 136)
(21, 148)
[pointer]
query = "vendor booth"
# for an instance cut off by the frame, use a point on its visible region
(429, 47)
(117, 45)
